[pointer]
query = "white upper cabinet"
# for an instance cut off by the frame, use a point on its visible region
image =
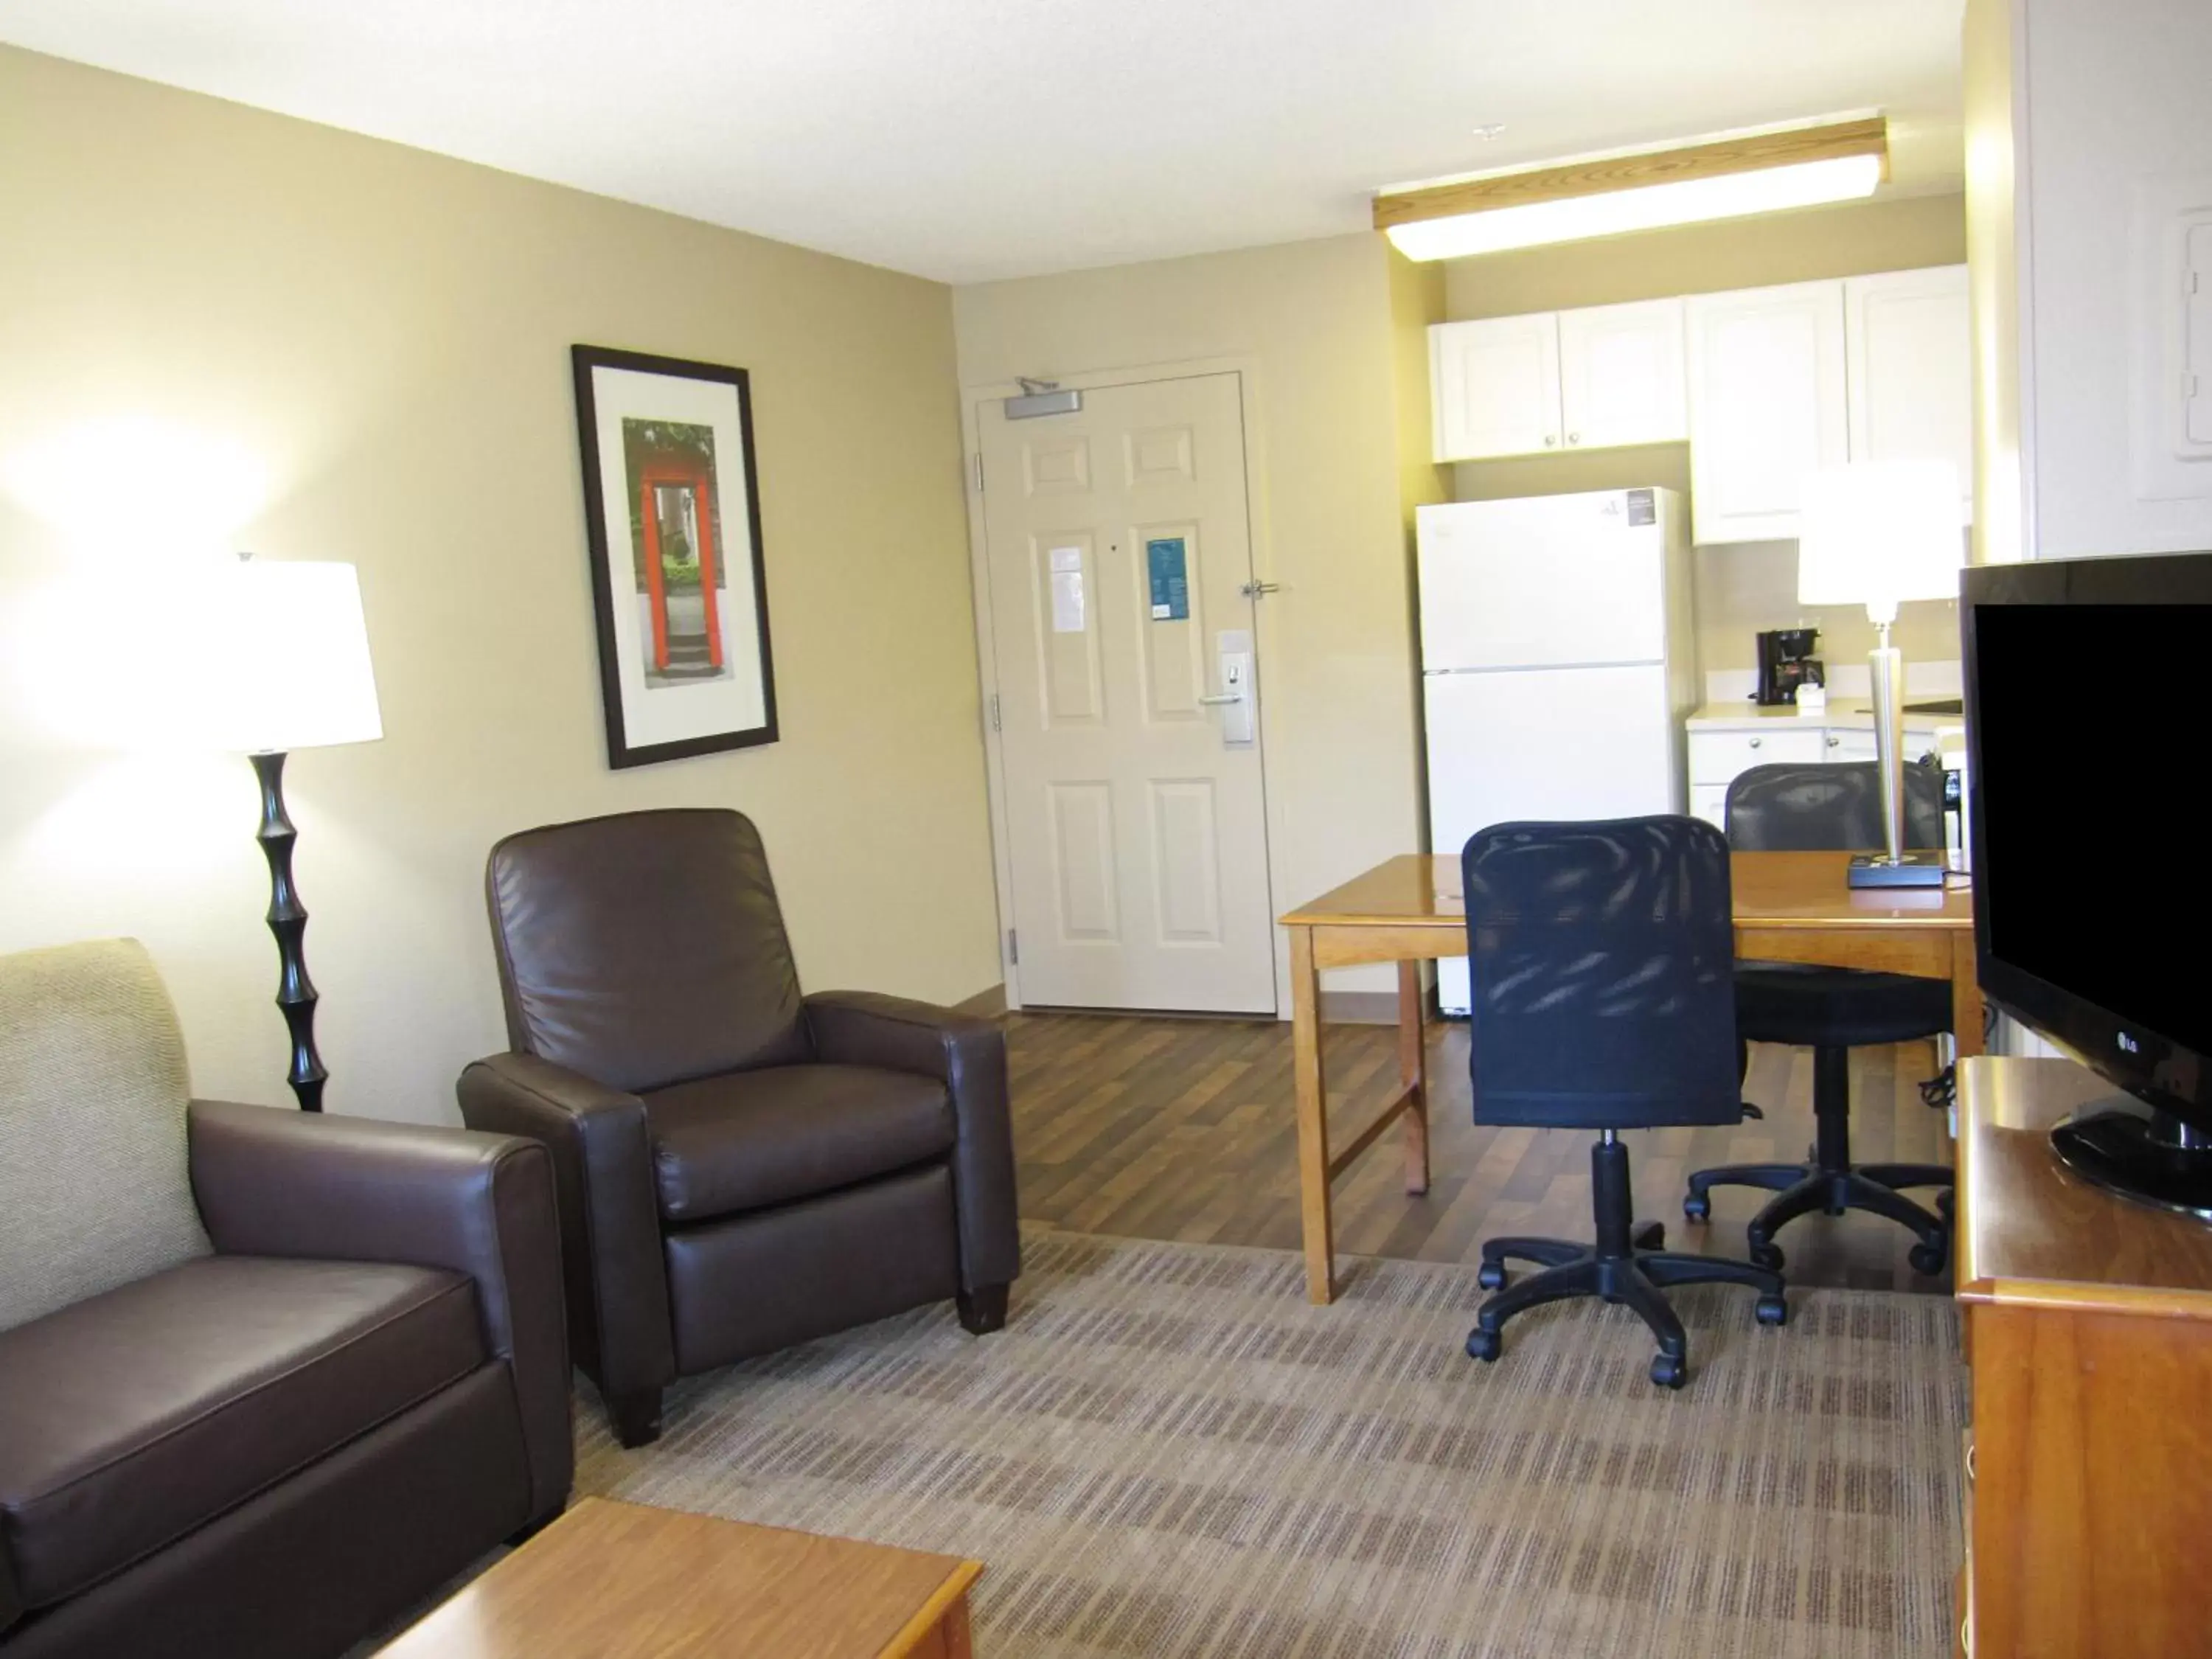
(1495, 386)
(1768, 384)
(1767, 405)
(1620, 375)
(1558, 379)
(1910, 371)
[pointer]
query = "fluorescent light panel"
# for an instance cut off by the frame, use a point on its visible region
(1646, 207)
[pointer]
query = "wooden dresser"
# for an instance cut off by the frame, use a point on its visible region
(2088, 1330)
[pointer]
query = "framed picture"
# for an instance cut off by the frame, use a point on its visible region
(671, 506)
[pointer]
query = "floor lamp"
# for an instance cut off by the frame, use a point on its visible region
(1877, 534)
(295, 673)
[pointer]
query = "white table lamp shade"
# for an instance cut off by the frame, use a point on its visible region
(1879, 533)
(290, 658)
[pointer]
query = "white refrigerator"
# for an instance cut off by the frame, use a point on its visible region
(1558, 658)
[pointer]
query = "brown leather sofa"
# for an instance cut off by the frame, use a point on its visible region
(740, 1167)
(282, 1376)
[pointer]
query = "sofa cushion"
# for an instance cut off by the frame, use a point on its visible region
(94, 1189)
(748, 1140)
(136, 1416)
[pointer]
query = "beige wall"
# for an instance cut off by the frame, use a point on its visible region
(382, 336)
(1993, 46)
(1740, 589)
(1312, 322)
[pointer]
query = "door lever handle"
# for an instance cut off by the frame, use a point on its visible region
(1226, 696)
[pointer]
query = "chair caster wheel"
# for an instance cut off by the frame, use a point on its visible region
(1773, 1311)
(1492, 1276)
(1698, 1208)
(1768, 1256)
(1669, 1372)
(1926, 1259)
(1481, 1344)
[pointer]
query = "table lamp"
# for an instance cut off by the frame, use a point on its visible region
(292, 670)
(1877, 534)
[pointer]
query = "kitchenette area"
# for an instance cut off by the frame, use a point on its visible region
(1626, 482)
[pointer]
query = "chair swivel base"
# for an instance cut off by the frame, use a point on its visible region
(1625, 1265)
(1637, 1280)
(1800, 1190)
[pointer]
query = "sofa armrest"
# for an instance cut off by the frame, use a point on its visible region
(273, 1181)
(862, 1027)
(618, 1277)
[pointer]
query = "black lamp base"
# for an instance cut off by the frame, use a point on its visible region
(288, 920)
(1907, 870)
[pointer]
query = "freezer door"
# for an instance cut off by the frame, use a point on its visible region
(1543, 582)
(1572, 743)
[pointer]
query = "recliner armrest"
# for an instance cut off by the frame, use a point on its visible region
(864, 1028)
(11, 1603)
(617, 1280)
(273, 1181)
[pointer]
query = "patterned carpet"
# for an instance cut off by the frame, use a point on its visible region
(1168, 1452)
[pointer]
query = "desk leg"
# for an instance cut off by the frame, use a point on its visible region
(1966, 996)
(1313, 1118)
(1414, 1072)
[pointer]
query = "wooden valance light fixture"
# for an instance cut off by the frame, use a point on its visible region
(1604, 195)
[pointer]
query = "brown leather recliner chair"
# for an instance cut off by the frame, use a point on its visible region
(267, 1380)
(741, 1168)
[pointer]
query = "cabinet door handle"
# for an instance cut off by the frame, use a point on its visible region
(1549, 441)
(1574, 437)
(1755, 742)
(1835, 742)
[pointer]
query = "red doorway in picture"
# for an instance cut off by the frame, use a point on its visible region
(674, 514)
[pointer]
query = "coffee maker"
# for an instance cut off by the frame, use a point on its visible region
(1786, 662)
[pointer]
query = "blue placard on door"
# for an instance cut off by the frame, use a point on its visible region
(1170, 574)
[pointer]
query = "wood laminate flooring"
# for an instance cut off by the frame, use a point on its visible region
(1181, 1129)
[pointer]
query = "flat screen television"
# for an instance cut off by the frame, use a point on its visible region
(2087, 717)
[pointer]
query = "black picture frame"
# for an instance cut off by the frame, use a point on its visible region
(681, 674)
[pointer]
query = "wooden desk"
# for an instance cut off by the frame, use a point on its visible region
(1789, 907)
(2088, 1323)
(619, 1581)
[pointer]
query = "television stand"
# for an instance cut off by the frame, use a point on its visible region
(2128, 1147)
(2088, 1330)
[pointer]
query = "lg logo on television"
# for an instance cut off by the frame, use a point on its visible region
(2128, 1045)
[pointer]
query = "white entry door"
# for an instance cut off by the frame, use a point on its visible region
(1119, 547)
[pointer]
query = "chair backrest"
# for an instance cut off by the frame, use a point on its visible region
(94, 1187)
(1810, 807)
(645, 949)
(1602, 956)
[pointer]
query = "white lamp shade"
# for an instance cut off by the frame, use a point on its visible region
(289, 660)
(1879, 533)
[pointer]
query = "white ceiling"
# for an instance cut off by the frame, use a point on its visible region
(970, 139)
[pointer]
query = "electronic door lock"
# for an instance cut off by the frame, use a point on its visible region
(1233, 654)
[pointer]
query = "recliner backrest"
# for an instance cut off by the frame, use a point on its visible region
(95, 1188)
(645, 949)
(1832, 808)
(1602, 957)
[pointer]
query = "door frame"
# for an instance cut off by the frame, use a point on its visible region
(973, 393)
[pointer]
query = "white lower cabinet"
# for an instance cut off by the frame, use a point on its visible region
(1719, 756)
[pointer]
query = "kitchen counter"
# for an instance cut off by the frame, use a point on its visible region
(1841, 712)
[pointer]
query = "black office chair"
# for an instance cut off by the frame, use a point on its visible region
(1832, 1011)
(1602, 1000)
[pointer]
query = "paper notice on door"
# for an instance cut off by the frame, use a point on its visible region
(1169, 567)
(1067, 590)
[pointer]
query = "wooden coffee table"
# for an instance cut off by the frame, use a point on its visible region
(619, 1581)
